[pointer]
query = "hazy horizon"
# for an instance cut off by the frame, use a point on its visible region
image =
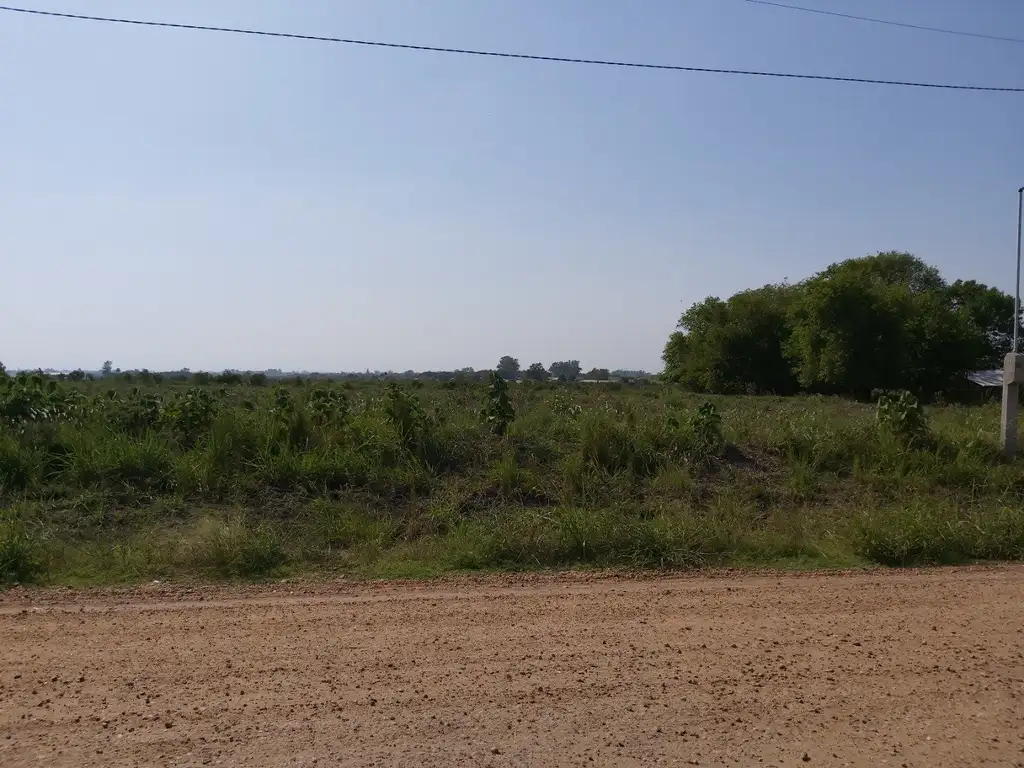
(289, 372)
(183, 199)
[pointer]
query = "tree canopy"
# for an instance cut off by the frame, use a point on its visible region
(887, 321)
(566, 369)
(536, 372)
(508, 368)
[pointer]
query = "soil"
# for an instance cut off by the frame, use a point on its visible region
(899, 668)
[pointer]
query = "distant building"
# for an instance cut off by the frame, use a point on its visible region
(991, 378)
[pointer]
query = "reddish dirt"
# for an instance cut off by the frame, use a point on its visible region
(870, 669)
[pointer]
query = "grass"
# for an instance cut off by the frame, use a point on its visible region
(251, 483)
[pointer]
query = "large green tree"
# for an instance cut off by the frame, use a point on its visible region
(887, 321)
(735, 345)
(883, 322)
(992, 312)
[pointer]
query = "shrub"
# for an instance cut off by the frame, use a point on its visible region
(405, 413)
(234, 548)
(901, 416)
(498, 412)
(706, 429)
(923, 534)
(190, 415)
(16, 465)
(20, 558)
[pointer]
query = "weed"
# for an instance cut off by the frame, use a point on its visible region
(902, 416)
(235, 548)
(21, 557)
(380, 479)
(498, 411)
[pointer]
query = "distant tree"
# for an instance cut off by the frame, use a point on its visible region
(566, 369)
(536, 372)
(508, 368)
(108, 368)
(3, 371)
(77, 375)
(621, 373)
(598, 374)
(258, 380)
(202, 377)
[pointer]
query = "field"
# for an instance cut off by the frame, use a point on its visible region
(106, 482)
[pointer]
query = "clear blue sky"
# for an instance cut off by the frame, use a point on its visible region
(176, 199)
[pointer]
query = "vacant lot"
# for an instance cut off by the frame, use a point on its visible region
(884, 668)
(103, 481)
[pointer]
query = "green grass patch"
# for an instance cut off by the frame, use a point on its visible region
(254, 482)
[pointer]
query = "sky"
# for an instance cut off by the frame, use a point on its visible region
(176, 199)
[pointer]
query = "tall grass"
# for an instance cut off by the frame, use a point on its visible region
(367, 478)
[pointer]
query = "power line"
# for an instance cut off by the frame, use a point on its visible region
(505, 54)
(905, 25)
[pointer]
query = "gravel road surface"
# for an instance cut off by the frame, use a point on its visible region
(898, 668)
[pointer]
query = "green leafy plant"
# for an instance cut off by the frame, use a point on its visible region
(405, 412)
(705, 426)
(498, 412)
(137, 413)
(20, 560)
(900, 415)
(28, 399)
(190, 415)
(327, 406)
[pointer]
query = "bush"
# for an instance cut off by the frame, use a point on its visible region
(234, 548)
(706, 428)
(924, 534)
(901, 416)
(20, 556)
(498, 411)
(16, 465)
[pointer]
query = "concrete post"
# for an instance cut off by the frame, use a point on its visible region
(1013, 375)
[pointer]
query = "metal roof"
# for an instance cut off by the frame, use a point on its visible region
(992, 378)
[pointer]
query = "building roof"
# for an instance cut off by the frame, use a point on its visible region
(992, 378)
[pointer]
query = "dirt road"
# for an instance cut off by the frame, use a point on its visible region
(908, 668)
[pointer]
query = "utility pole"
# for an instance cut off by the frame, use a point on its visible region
(1013, 363)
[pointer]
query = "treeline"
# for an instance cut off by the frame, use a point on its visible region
(564, 370)
(882, 322)
(561, 371)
